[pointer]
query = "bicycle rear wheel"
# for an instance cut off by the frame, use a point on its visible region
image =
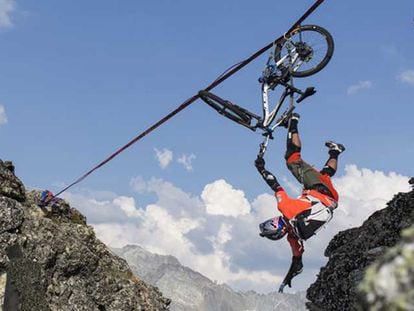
(314, 45)
(229, 110)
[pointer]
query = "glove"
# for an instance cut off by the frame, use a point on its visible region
(282, 286)
(259, 163)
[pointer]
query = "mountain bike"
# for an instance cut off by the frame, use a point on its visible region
(300, 53)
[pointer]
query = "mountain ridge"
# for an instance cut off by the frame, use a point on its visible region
(190, 290)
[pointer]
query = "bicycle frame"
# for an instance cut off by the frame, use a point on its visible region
(276, 73)
(268, 116)
(290, 90)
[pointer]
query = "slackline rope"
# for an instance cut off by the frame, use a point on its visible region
(231, 71)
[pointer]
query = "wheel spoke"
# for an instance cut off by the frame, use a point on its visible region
(317, 40)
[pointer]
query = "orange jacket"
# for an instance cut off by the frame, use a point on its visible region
(290, 207)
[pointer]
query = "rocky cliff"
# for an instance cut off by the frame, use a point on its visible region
(191, 291)
(370, 267)
(50, 259)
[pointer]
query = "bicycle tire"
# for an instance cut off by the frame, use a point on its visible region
(321, 64)
(229, 110)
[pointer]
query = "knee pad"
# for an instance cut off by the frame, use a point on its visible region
(327, 170)
(291, 149)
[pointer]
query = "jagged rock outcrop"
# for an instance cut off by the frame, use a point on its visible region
(53, 260)
(351, 252)
(10, 185)
(191, 291)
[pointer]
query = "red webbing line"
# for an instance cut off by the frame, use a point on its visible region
(143, 134)
(191, 100)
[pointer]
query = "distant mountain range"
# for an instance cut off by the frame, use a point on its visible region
(190, 290)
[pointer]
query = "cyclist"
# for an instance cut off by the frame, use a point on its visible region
(302, 217)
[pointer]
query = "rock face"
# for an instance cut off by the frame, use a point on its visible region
(53, 260)
(351, 252)
(10, 185)
(189, 290)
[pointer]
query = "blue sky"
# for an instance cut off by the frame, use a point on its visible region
(80, 79)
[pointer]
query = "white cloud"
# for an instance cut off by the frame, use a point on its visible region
(170, 239)
(187, 161)
(6, 9)
(407, 77)
(223, 236)
(127, 204)
(103, 207)
(265, 206)
(177, 201)
(177, 224)
(361, 85)
(221, 198)
(3, 117)
(138, 184)
(229, 249)
(164, 157)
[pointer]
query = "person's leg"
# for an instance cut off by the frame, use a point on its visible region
(330, 168)
(293, 143)
(302, 171)
(293, 148)
(332, 163)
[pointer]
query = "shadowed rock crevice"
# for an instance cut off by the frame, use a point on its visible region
(54, 261)
(23, 276)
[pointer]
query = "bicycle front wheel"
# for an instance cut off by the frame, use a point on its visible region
(314, 46)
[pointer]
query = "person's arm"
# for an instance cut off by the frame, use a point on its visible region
(295, 244)
(269, 178)
(296, 267)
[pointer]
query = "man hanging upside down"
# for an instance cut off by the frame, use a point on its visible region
(304, 216)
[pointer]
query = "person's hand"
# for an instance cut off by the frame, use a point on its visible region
(259, 163)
